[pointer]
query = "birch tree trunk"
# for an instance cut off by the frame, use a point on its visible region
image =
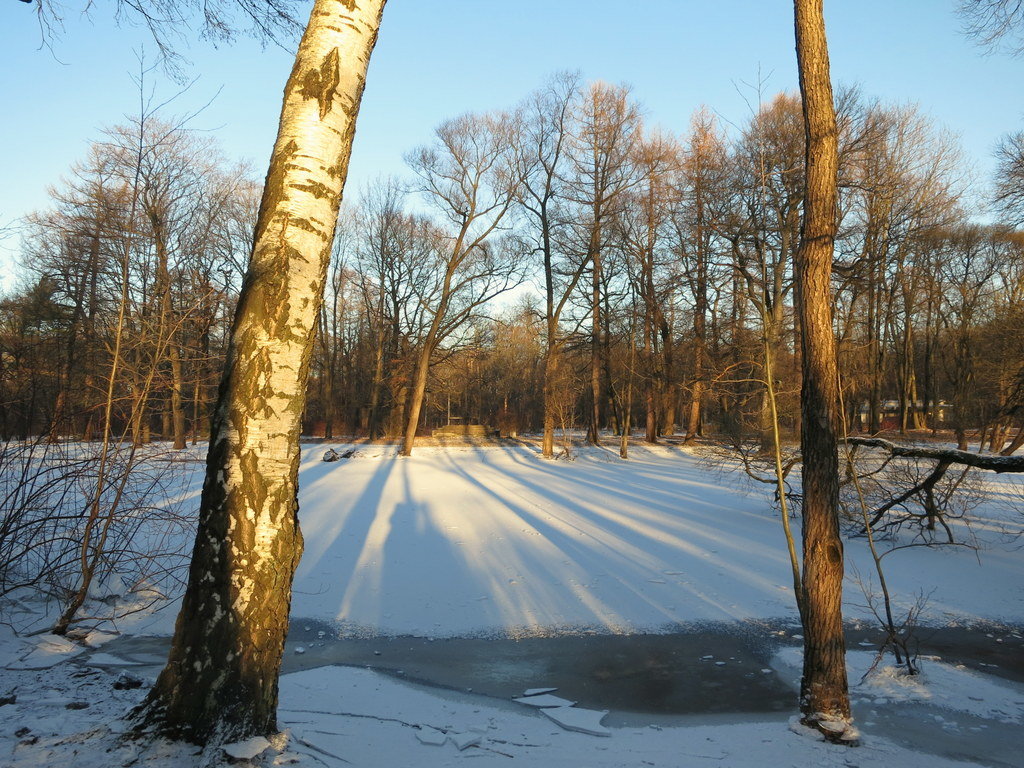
(824, 700)
(220, 682)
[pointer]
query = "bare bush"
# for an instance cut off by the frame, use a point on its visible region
(910, 494)
(60, 536)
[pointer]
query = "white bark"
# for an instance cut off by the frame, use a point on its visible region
(221, 677)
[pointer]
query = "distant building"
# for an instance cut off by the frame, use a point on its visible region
(889, 413)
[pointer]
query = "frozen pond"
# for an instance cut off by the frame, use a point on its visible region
(714, 668)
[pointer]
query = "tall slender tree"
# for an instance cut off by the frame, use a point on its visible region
(541, 154)
(824, 699)
(605, 132)
(702, 179)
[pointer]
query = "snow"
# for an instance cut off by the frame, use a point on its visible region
(495, 541)
(108, 660)
(340, 714)
(248, 749)
(543, 700)
(538, 691)
(455, 542)
(949, 687)
(432, 736)
(578, 719)
(45, 652)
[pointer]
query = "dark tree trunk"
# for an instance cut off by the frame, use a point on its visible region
(419, 388)
(167, 337)
(594, 423)
(823, 691)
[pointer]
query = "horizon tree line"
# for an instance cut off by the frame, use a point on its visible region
(646, 277)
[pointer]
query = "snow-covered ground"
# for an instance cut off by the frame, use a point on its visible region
(494, 541)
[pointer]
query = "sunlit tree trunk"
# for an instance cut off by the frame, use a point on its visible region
(373, 429)
(594, 257)
(220, 681)
(468, 176)
(419, 385)
(700, 169)
(823, 692)
(550, 372)
(540, 155)
(606, 132)
(167, 340)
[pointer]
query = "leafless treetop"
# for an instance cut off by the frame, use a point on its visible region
(171, 21)
(995, 23)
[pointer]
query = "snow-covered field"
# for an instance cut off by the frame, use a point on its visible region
(494, 541)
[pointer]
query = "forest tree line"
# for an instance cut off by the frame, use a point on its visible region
(558, 265)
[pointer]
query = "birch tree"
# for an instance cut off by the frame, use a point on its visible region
(220, 682)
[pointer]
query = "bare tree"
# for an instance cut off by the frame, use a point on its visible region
(335, 314)
(470, 177)
(642, 228)
(1010, 178)
(541, 154)
(396, 257)
(967, 263)
(168, 21)
(606, 124)
(175, 169)
(703, 180)
(902, 181)
(763, 229)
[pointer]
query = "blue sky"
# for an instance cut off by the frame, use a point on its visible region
(438, 58)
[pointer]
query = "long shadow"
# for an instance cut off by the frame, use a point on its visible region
(482, 572)
(634, 562)
(367, 587)
(663, 518)
(662, 504)
(662, 508)
(591, 559)
(416, 564)
(622, 475)
(354, 526)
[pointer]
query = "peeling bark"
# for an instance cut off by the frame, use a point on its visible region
(220, 682)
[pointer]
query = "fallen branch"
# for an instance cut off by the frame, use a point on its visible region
(946, 455)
